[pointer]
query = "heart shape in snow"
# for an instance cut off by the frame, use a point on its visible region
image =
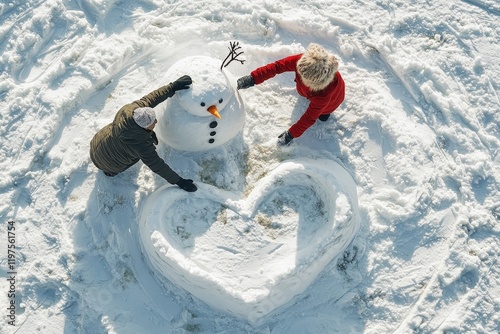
(250, 255)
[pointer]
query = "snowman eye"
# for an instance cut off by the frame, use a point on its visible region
(203, 104)
(221, 100)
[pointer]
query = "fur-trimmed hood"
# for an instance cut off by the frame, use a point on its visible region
(316, 67)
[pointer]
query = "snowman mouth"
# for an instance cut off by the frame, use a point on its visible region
(213, 110)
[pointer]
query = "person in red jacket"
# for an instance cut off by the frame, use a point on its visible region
(317, 79)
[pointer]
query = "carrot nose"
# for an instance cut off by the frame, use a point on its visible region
(213, 110)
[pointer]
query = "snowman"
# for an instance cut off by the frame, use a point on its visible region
(208, 114)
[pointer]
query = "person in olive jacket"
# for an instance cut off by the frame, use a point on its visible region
(130, 137)
(316, 78)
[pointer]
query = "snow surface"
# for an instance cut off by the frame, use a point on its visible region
(248, 256)
(418, 133)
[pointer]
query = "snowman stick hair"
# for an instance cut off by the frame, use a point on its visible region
(234, 47)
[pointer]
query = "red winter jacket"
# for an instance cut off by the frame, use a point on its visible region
(321, 102)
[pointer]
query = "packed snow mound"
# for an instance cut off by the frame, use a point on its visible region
(185, 122)
(250, 255)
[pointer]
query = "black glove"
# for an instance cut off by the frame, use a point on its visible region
(285, 138)
(187, 185)
(182, 83)
(245, 82)
(153, 136)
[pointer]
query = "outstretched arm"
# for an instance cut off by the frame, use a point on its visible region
(261, 74)
(315, 109)
(161, 94)
(268, 71)
(148, 155)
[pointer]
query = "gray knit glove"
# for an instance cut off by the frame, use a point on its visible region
(245, 82)
(285, 138)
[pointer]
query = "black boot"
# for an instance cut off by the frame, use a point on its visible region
(110, 174)
(324, 117)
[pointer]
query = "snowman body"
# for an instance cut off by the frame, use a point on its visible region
(208, 114)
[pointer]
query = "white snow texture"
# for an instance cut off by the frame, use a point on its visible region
(250, 256)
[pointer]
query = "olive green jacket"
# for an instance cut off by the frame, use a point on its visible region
(123, 143)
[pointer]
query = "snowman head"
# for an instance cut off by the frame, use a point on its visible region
(210, 91)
